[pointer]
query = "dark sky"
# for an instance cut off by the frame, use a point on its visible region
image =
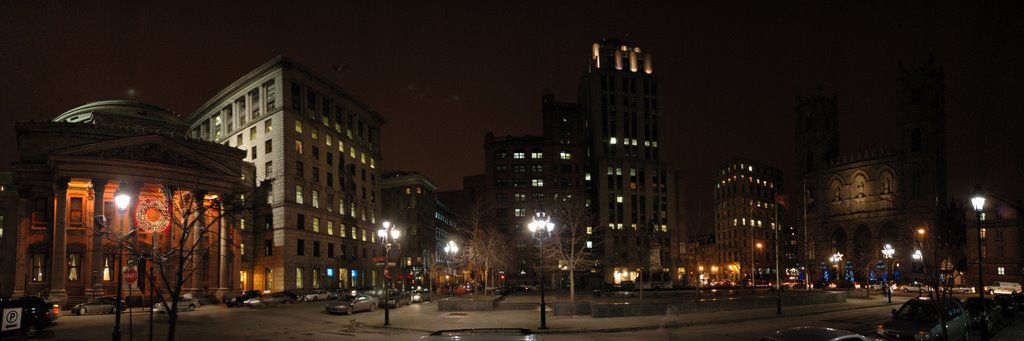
(444, 73)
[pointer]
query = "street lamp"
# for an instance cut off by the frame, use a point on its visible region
(836, 258)
(887, 252)
(541, 228)
(388, 237)
(121, 199)
(760, 255)
(978, 201)
(450, 250)
(917, 256)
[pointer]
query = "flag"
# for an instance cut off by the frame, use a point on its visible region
(782, 200)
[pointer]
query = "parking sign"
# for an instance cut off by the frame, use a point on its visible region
(11, 319)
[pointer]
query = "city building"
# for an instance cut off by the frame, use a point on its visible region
(410, 202)
(70, 233)
(316, 150)
(1001, 240)
(746, 222)
(856, 203)
(632, 188)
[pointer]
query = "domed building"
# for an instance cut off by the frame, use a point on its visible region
(70, 178)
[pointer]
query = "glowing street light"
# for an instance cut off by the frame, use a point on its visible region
(541, 227)
(388, 237)
(978, 201)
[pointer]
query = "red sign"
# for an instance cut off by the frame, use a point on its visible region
(131, 275)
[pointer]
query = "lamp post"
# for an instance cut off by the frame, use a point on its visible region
(887, 253)
(760, 255)
(388, 237)
(450, 250)
(121, 199)
(541, 228)
(918, 257)
(836, 258)
(978, 201)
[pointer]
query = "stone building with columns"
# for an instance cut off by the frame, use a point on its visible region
(69, 233)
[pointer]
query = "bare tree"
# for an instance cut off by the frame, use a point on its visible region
(485, 247)
(570, 240)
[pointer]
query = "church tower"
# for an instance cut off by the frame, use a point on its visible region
(817, 132)
(920, 118)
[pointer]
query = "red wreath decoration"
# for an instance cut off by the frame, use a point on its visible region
(152, 215)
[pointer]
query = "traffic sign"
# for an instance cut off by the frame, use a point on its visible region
(11, 319)
(131, 276)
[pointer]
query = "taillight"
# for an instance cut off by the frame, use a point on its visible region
(56, 309)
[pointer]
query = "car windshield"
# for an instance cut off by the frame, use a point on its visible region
(917, 312)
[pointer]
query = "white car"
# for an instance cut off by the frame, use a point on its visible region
(184, 304)
(1003, 288)
(317, 295)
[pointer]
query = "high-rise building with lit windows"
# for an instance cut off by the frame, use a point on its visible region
(632, 189)
(316, 150)
(745, 223)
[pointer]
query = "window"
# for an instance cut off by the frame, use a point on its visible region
(536, 154)
(519, 155)
(298, 277)
(499, 197)
(38, 267)
(271, 91)
(520, 212)
(1001, 271)
(982, 232)
(364, 235)
(268, 169)
(316, 224)
(315, 134)
(354, 236)
(270, 194)
(519, 169)
(74, 267)
(75, 212)
(537, 168)
(300, 221)
(299, 169)
(268, 273)
(316, 277)
(519, 197)
(500, 154)
(341, 230)
(564, 155)
(316, 199)
(268, 147)
(239, 140)
(108, 266)
(268, 126)
(330, 227)
(298, 194)
(300, 247)
(316, 248)
(537, 182)
(298, 126)
(298, 146)
(330, 250)
(268, 247)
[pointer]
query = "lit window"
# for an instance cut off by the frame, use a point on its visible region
(268, 126)
(520, 212)
(612, 140)
(316, 223)
(298, 126)
(1001, 271)
(298, 146)
(298, 194)
(316, 134)
(564, 155)
(590, 230)
(537, 155)
(330, 228)
(518, 155)
(538, 182)
(241, 248)
(316, 199)
(590, 244)
(983, 233)
(298, 277)
(618, 199)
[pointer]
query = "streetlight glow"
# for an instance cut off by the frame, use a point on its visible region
(978, 201)
(121, 199)
(541, 228)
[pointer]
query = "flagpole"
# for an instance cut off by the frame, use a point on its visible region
(807, 261)
(778, 277)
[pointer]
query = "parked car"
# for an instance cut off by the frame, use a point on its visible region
(349, 304)
(36, 313)
(395, 299)
(1007, 303)
(814, 333)
(963, 289)
(917, 286)
(184, 304)
(1020, 300)
(1003, 288)
(316, 295)
(993, 313)
(489, 334)
(919, 319)
(99, 305)
(239, 300)
(274, 298)
(420, 296)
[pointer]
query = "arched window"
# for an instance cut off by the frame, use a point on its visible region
(500, 154)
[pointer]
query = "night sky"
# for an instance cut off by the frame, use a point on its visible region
(444, 73)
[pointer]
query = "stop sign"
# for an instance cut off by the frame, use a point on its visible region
(131, 275)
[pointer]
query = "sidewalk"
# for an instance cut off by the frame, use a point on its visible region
(1015, 331)
(426, 318)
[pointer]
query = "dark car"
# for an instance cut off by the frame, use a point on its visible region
(993, 313)
(99, 305)
(920, 319)
(1008, 303)
(239, 300)
(36, 314)
(395, 299)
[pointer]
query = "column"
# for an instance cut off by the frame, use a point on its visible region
(194, 285)
(93, 269)
(58, 261)
(224, 268)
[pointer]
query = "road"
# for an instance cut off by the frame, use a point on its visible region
(307, 321)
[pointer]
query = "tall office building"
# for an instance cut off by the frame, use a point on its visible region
(745, 222)
(411, 204)
(632, 188)
(316, 151)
